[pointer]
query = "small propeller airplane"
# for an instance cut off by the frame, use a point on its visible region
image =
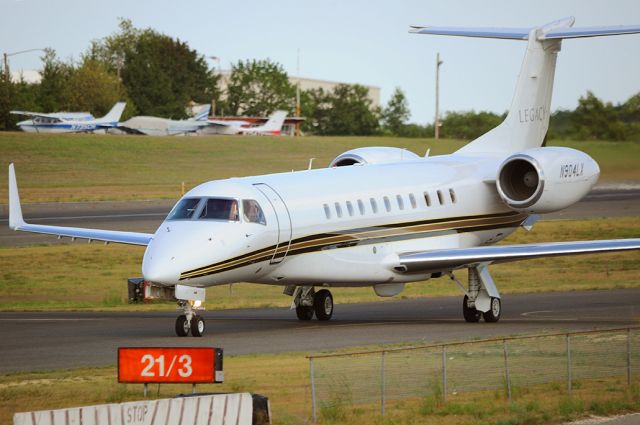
(69, 122)
(272, 127)
(378, 217)
(156, 126)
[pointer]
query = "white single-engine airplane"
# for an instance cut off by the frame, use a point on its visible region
(273, 126)
(377, 216)
(69, 122)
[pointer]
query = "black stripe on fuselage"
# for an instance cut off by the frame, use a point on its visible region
(364, 236)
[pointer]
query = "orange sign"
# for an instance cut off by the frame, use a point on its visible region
(169, 365)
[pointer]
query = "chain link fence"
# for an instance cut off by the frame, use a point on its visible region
(374, 377)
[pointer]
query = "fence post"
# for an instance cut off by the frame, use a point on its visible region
(628, 356)
(569, 386)
(506, 368)
(444, 373)
(382, 389)
(313, 390)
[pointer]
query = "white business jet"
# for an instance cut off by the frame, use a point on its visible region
(378, 217)
(273, 126)
(69, 122)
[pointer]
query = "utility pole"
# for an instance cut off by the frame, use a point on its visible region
(437, 120)
(6, 68)
(297, 132)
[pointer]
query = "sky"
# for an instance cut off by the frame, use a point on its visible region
(357, 41)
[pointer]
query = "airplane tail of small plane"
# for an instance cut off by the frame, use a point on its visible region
(527, 121)
(275, 122)
(113, 116)
(203, 114)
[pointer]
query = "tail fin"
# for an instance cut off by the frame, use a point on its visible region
(203, 114)
(275, 122)
(527, 121)
(113, 116)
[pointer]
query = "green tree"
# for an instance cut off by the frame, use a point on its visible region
(468, 125)
(597, 120)
(258, 87)
(54, 86)
(92, 88)
(6, 90)
(396, 114)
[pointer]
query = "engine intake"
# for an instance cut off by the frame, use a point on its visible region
(372, 155)
(546, 179)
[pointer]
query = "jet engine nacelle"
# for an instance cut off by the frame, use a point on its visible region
(546, 179)
(372, 155)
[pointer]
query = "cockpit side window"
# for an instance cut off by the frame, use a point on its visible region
(252, 212)
(220, 209)
(185, 209)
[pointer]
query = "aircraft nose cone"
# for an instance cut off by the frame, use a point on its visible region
(158, 268)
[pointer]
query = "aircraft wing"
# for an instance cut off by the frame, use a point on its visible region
(223, 123)
(36, 114)
(449, 259)
(16, 222)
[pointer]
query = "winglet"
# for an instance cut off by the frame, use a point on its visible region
(15, 211)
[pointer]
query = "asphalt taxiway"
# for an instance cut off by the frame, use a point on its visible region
(52, 340)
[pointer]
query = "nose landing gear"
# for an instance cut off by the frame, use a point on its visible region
(189, 321)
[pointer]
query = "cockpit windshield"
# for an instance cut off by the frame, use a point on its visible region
(205, 209)
(220, 209)
(185, 209)
(217, 209)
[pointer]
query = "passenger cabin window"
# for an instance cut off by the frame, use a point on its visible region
(220, 209)
(440, 197)
(350, 208)
(338, 209)
(361, 206)
(374, 205)
(452, 194)
(427, 199)
(387, 203)
(252, 212)
(327, 211)
(412, 199)
(400, 202)
(184, 209)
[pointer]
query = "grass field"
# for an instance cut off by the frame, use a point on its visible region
(76, 167)
(79, 276)
(284, 378)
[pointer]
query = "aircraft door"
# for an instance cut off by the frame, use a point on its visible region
(283, 219)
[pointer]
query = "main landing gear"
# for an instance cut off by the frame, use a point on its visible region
(189, 321)
(307, 302)
(481, 298)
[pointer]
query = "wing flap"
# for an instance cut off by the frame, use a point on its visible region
(448, 259)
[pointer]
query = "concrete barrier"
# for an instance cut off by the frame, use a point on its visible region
(217, 409)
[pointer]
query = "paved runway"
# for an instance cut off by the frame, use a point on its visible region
(34, 341)
(146, 216)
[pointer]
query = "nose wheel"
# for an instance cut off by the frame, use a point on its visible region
(189, 322)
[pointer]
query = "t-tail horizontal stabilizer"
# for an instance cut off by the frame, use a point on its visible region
(16, 222)
(527, 121)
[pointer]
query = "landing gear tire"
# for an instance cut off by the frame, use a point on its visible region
(493, 315)
(304, 312)
(197, 326)
(323, 305)
(182, 326)
(471, 315)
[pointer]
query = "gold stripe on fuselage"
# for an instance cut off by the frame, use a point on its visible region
(316, 242)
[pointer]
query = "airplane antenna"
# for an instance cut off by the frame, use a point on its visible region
(310, 163)
(437, 123)
(426, 155)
